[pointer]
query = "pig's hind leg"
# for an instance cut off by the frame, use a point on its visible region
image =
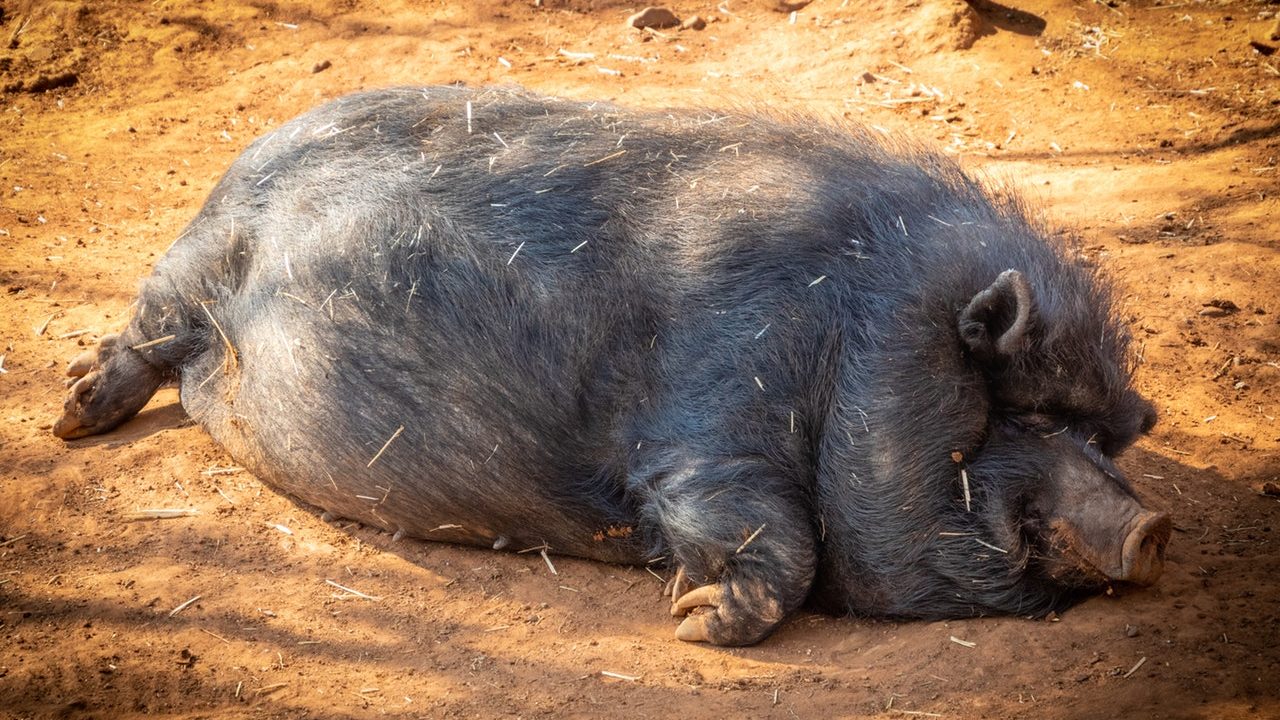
(110, 385)
(116, 379)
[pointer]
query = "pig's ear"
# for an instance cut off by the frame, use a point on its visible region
(997, 321)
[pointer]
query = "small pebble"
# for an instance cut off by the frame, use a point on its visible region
(653, 17)
(693, 22)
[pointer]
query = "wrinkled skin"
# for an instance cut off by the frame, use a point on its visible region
(789, 362)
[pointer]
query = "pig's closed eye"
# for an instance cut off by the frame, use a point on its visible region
(1037, 423)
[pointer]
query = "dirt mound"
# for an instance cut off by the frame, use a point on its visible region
(942, 26)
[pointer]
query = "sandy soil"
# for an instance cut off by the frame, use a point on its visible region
(1149, 128)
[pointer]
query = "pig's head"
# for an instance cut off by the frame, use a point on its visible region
(1057, 376)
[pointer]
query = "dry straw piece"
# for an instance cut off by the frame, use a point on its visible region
(160, 514)
(351, 593)
(183, 606)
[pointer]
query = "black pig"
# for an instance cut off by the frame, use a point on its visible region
(788, 360)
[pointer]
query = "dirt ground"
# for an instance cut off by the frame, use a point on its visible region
(1151, 129)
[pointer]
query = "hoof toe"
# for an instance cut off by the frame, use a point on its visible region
(71, 425)
(81, 364)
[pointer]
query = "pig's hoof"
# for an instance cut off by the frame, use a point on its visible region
(113, 384)
(87, 360)
(676, 588)
(74, 423)
(727, 613)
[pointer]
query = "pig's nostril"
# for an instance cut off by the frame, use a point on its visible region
(1143, 554)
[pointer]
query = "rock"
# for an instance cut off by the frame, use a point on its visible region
(1270, 488)
(1267, 41)
(867, 78)
(693, 22)
(1219, 308)
(942, 25)
(653, 17)
(321, 66)
(792, 6)
(1131, 631)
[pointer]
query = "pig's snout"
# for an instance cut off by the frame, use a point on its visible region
(1101, 529)
(1142, 557)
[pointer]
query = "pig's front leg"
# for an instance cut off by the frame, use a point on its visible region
(742, 542)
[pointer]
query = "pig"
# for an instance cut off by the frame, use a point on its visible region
(790, 361)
